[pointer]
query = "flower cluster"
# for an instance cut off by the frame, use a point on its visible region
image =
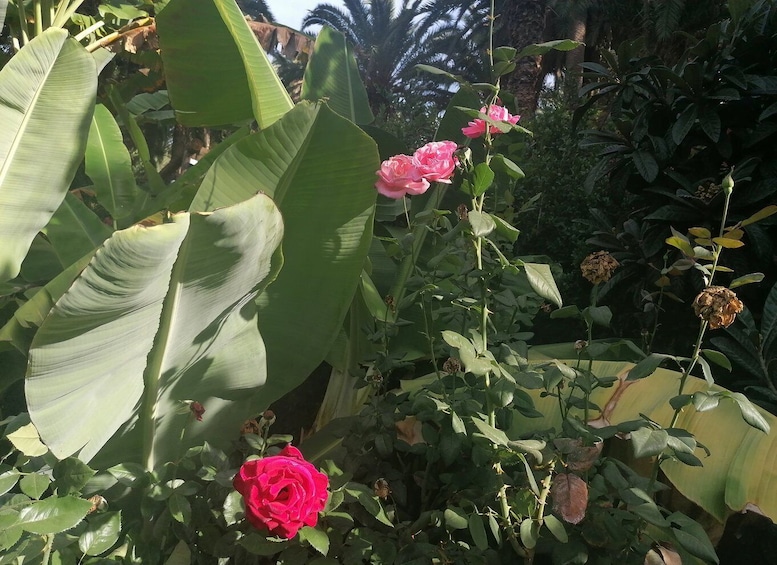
(497, 113)
(404, 174)
(282, 493)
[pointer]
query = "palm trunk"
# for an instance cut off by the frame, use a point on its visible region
(524, 22)
(574, 58)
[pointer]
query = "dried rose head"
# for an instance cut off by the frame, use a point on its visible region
(250, 426)
(381, 488)
(717, 305)
(598, 267)
(451, 365)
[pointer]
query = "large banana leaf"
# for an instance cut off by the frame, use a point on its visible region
(320, 170)
(74, 231)
(3, 7)
(332, 74)
(109, 165)
(142, 330)
(740, 473)
(46, 102)
(216, 71)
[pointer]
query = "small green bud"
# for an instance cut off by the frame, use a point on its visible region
(728, 184)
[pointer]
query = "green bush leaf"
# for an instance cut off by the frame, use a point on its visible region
(648, 441)
(34, 484)
(101, 533)
(646, 165)
(180, 508)
(542, 282)
(71, 475)
(318, 539)
(717, 357)
(481, 222)
(478, 531)
(8, 480)
(647, 366)
(53, 515)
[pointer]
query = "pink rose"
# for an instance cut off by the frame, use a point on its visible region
(282, 493)
(435, 161)
(398, 176)
(477, 127)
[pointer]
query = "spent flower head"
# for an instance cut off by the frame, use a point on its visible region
(717, 305)
(598, 267)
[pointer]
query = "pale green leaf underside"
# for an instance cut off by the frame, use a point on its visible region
(320, 170)
(229, 81)
(74, 230)
(108, 164)
(139, 329)
(46, 101)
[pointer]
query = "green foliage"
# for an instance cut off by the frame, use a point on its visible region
(675, 129)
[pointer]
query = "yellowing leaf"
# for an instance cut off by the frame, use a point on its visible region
(760, 215)
(728, 243)
(700, 232)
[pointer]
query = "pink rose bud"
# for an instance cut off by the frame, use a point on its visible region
(435, 161)
(477, 127)
(282, 493)
(399, 176)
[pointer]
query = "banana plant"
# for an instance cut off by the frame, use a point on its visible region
(162, 316)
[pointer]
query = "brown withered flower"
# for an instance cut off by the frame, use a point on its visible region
(250, 426)
(451, 365)
(598, 267)
(381, 488)
(717, 305)
(98, 503)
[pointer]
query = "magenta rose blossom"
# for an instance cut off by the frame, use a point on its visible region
(398, 176)
(477, 127)
(282, 493)
(435, 161)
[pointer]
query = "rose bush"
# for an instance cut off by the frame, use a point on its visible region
(477, 127)
(282, 492)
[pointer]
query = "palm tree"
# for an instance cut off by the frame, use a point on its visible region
(388, 42)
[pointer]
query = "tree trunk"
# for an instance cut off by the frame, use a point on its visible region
(524, 22)
(573, 71)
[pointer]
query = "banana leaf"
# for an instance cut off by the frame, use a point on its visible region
(161, 316)
(109, 165)
(216, 71)
(319, 168)
(47, 93)
(332, 74)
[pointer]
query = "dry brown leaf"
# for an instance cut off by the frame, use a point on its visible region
(570, 497)
(409, 430)
(577, 456)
